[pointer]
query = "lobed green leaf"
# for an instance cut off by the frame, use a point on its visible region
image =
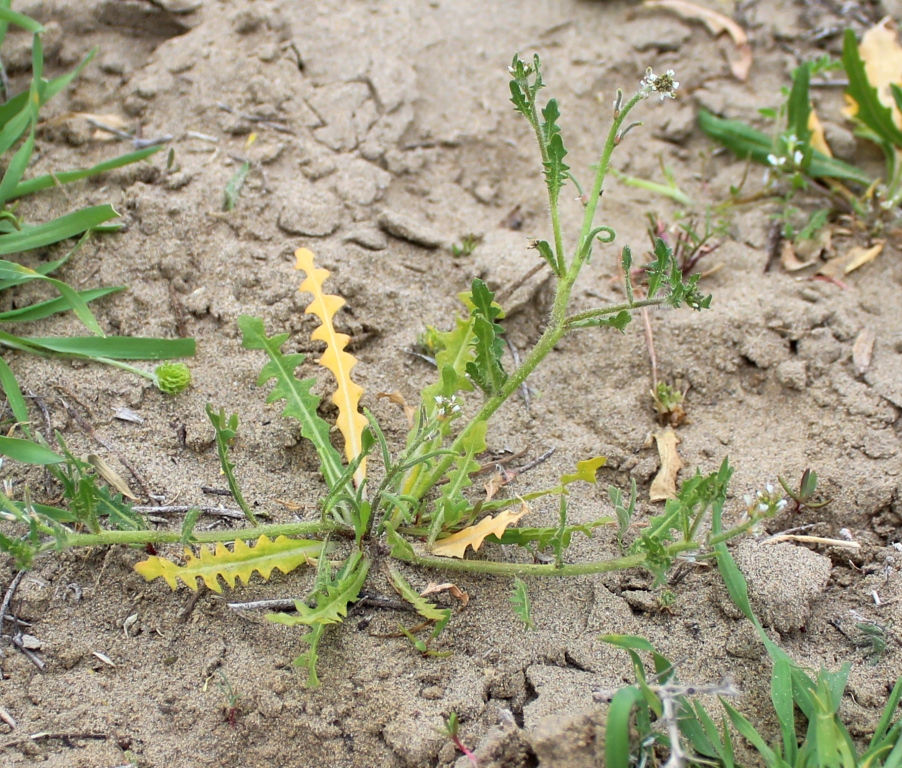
(300, 403)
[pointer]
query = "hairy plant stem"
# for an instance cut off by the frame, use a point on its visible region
(105, 538)
(558, 322)
(531, 569)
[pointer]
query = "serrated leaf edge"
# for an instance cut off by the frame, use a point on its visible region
(350, 422)
(239, 563)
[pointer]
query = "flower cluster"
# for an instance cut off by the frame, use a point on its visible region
(790, 142)
(665, 84)
(447, 407)
(763, 504)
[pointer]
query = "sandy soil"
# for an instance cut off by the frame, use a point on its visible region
(367, 113)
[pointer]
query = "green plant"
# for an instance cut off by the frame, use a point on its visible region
(805, 496)
(19, 118)
(792, 153)
(467, 246)
(415, 508)
(232, 707)
(451, 729)
(666, 717)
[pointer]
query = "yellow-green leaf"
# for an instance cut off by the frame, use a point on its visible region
(283, 553)
(585, 471)
(456, 544)
(350, 422)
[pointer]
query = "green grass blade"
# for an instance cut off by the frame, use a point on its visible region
(16, 125)
(54, 306)
(14, 396)
(27, 452)
(745, 141)
(741, 724)
(50, 266)
(20, 20)
(617, 728)
(51, 232)
(46, 181)
(16, 168)
(871, 111)
(117, 347)
(888, 712)
(781, 696)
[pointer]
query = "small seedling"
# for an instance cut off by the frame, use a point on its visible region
(804, 497)
(668, 402)
(232, 707)
(872, 638)
(451, 730)
(521, 605)
(466, 247)
(666, 600)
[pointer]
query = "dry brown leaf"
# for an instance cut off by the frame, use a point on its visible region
(862, 350)
(398, 399)
(716, 23)
(882, 56)
(456, 544)
(496, 483)
(789, 260)
(817, 140)
(663, 487)
(858, 256)
(854, 258)
(456, 592)
(111, 476)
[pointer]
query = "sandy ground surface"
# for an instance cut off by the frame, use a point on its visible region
(369, 112)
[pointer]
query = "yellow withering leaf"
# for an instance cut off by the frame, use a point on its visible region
(882, 56)
(456, 544)
(817, 140)
(716, 23)
(663, 487)
(350, 421)
(283, 553)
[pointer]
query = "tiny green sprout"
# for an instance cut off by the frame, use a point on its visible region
(871, 639)
(467, 246)
(666, 600)
(804, 497)
(232, 708)
(172, 378)
(451, 729)
(669, 404)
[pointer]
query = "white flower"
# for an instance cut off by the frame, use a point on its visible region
(665, 84)
(798, 157)
(776, 161)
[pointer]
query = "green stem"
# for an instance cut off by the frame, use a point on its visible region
(613, 140)
(612, 310)
(105, 538)
(558, 324)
